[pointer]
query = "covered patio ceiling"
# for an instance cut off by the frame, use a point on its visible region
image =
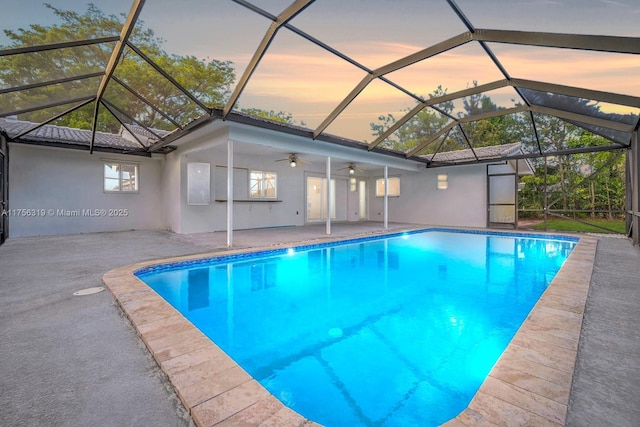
(361, 74)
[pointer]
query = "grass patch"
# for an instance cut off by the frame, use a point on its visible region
(567, 225)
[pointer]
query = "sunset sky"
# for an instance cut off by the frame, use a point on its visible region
(298, 77)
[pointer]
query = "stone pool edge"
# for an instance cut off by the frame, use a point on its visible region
(529, 383)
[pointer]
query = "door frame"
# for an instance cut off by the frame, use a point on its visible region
(340, 209)
(514, 221)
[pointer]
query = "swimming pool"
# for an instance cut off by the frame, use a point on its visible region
(387, 331)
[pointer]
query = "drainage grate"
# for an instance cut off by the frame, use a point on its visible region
(89, 291)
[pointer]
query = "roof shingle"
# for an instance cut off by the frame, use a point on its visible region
(65, 135)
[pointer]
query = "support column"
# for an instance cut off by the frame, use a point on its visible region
(628, 192)
(517, 179)
(635, 197)
(229, 193)
(328, 231)
(546, 200)
(386, 197)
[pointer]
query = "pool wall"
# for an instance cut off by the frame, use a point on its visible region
(529, 384)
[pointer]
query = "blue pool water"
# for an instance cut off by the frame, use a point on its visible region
(392, 331)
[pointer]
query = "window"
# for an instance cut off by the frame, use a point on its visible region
(120, 177)
(394, 187)
(443, 181)
(262, 185)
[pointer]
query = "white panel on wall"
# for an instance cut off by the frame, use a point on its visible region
(198, 183)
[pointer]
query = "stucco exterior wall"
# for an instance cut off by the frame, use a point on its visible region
(287, 210)
(171, 185)
(463, 203)
(63, 188)
(58, 180)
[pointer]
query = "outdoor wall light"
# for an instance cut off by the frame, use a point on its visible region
(293, 163)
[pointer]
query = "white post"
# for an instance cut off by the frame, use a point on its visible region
(635, 188)
(386, 197)
(328, 195)
(229, 193)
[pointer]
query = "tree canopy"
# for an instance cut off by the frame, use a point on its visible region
(137, 90)
(569, 188)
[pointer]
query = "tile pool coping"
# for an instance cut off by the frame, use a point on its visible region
(530, 383)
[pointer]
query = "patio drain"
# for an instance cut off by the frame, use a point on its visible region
(89, 291)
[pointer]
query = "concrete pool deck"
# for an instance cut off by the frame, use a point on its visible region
(70, 360)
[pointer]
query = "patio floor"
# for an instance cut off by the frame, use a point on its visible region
(76, 360)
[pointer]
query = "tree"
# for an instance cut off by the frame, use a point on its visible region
(272, 115)
(606, 188)
(483, 133)
(208, 80)
(418, 129)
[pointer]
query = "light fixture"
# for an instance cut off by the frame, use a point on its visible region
(293, 163)
(293, 159)
(352, 168)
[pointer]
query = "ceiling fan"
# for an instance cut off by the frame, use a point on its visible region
(294, 160)
(351, 167)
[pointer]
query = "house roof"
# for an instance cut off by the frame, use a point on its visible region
(65, 136)
(75, 138)
(481, 153)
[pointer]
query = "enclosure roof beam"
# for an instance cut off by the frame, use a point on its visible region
(49, 105)
(590, 120)
(614, 44)
(54, 46)
(288, 14)
(397, 125)
(188, 128)
(167, 76)
(127, 29)
(343, 104)
(389, 68)
(51, 82)
(437, 100)
(577, 92)
(437, 150)
(432, 138)
(485, 47)
(423, 54)
(108, 106)
(490, 114)
(466, 138)
(113, 107)
(146, 101)
(487, 87)
(56, 117)
(580, 150)
(535, 131)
